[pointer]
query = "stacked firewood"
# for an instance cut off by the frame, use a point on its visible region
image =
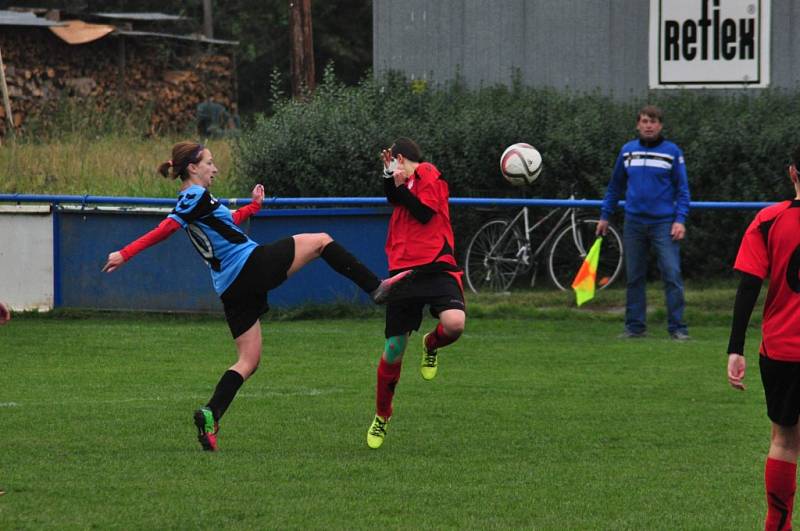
(157, 76)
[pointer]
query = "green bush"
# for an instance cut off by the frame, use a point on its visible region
(736, 146)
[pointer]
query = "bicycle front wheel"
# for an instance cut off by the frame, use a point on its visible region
(494, 257)
(569, 251)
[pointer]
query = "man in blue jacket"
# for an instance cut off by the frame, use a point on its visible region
(651, 172)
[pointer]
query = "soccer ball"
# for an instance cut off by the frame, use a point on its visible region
(521, 164)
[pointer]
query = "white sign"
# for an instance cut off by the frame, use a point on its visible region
(709, 43)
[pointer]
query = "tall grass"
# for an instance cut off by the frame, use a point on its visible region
(109, 165)
(71, 147)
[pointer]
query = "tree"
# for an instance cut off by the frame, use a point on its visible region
(302, 46)
(342, 34)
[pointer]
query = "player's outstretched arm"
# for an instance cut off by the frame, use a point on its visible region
(164, 230)
(736, 370)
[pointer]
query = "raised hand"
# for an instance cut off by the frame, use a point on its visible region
(386, 155)
(258, 194)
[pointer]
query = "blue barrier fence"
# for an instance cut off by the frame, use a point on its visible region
(170, 276)
(353, 201)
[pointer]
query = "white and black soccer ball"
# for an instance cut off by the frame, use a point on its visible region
(521, 164)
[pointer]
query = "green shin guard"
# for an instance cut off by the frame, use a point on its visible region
(394, 348)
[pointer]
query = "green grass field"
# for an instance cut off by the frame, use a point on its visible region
(537, 423)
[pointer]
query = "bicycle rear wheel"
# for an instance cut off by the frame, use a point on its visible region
(569, 251)
(494, 257)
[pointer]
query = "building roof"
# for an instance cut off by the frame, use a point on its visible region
(26, 18)
(17, 18)
(142, 17)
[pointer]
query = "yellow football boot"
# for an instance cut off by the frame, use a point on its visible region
(430, 361)
(377, 432)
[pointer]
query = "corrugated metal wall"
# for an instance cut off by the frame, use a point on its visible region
(577, 44)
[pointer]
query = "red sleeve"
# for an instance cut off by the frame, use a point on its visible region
(753, 257)
(164, 230)
(245, 212)
(428, 192)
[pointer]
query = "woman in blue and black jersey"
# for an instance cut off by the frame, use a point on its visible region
(242, 271)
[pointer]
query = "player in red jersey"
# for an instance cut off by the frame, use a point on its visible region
(242, 271)
(770, 249)
(420, 238)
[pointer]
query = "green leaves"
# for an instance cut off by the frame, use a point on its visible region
(736, 146)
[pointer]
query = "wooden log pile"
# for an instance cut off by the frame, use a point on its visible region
(165, 79)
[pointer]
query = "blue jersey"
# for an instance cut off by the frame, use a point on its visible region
(653, 179)
(211, 229)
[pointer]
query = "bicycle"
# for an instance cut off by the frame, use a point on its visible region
(501, 250)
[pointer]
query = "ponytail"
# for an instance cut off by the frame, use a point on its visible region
(164, 168)
(183, 154)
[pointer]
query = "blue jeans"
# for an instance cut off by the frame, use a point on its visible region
(637, 239)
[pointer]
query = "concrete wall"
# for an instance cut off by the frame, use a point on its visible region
(26, 257)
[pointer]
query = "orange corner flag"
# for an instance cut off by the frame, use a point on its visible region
(586, 278)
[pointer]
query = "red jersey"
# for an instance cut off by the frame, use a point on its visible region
(411, 243)
(771, 248)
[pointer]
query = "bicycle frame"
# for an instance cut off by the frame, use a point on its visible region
(568, 213)
(524, 250)
(500, 251)
(529, 229)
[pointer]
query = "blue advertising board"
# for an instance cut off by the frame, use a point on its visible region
(171, 276)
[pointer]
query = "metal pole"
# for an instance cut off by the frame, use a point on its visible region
(208, 20)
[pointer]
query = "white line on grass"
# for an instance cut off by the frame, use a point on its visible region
(299, 391)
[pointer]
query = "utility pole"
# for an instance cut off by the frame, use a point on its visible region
(303, 75)
(208, 20)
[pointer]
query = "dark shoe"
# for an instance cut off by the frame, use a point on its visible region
(388, 288)
(680, 336)
(627, 334)
(206, 429)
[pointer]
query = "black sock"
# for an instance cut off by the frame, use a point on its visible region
(226, 389)
(348, 265)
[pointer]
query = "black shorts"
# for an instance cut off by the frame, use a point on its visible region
(781, 381)
(439, 290)
(245, 300)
